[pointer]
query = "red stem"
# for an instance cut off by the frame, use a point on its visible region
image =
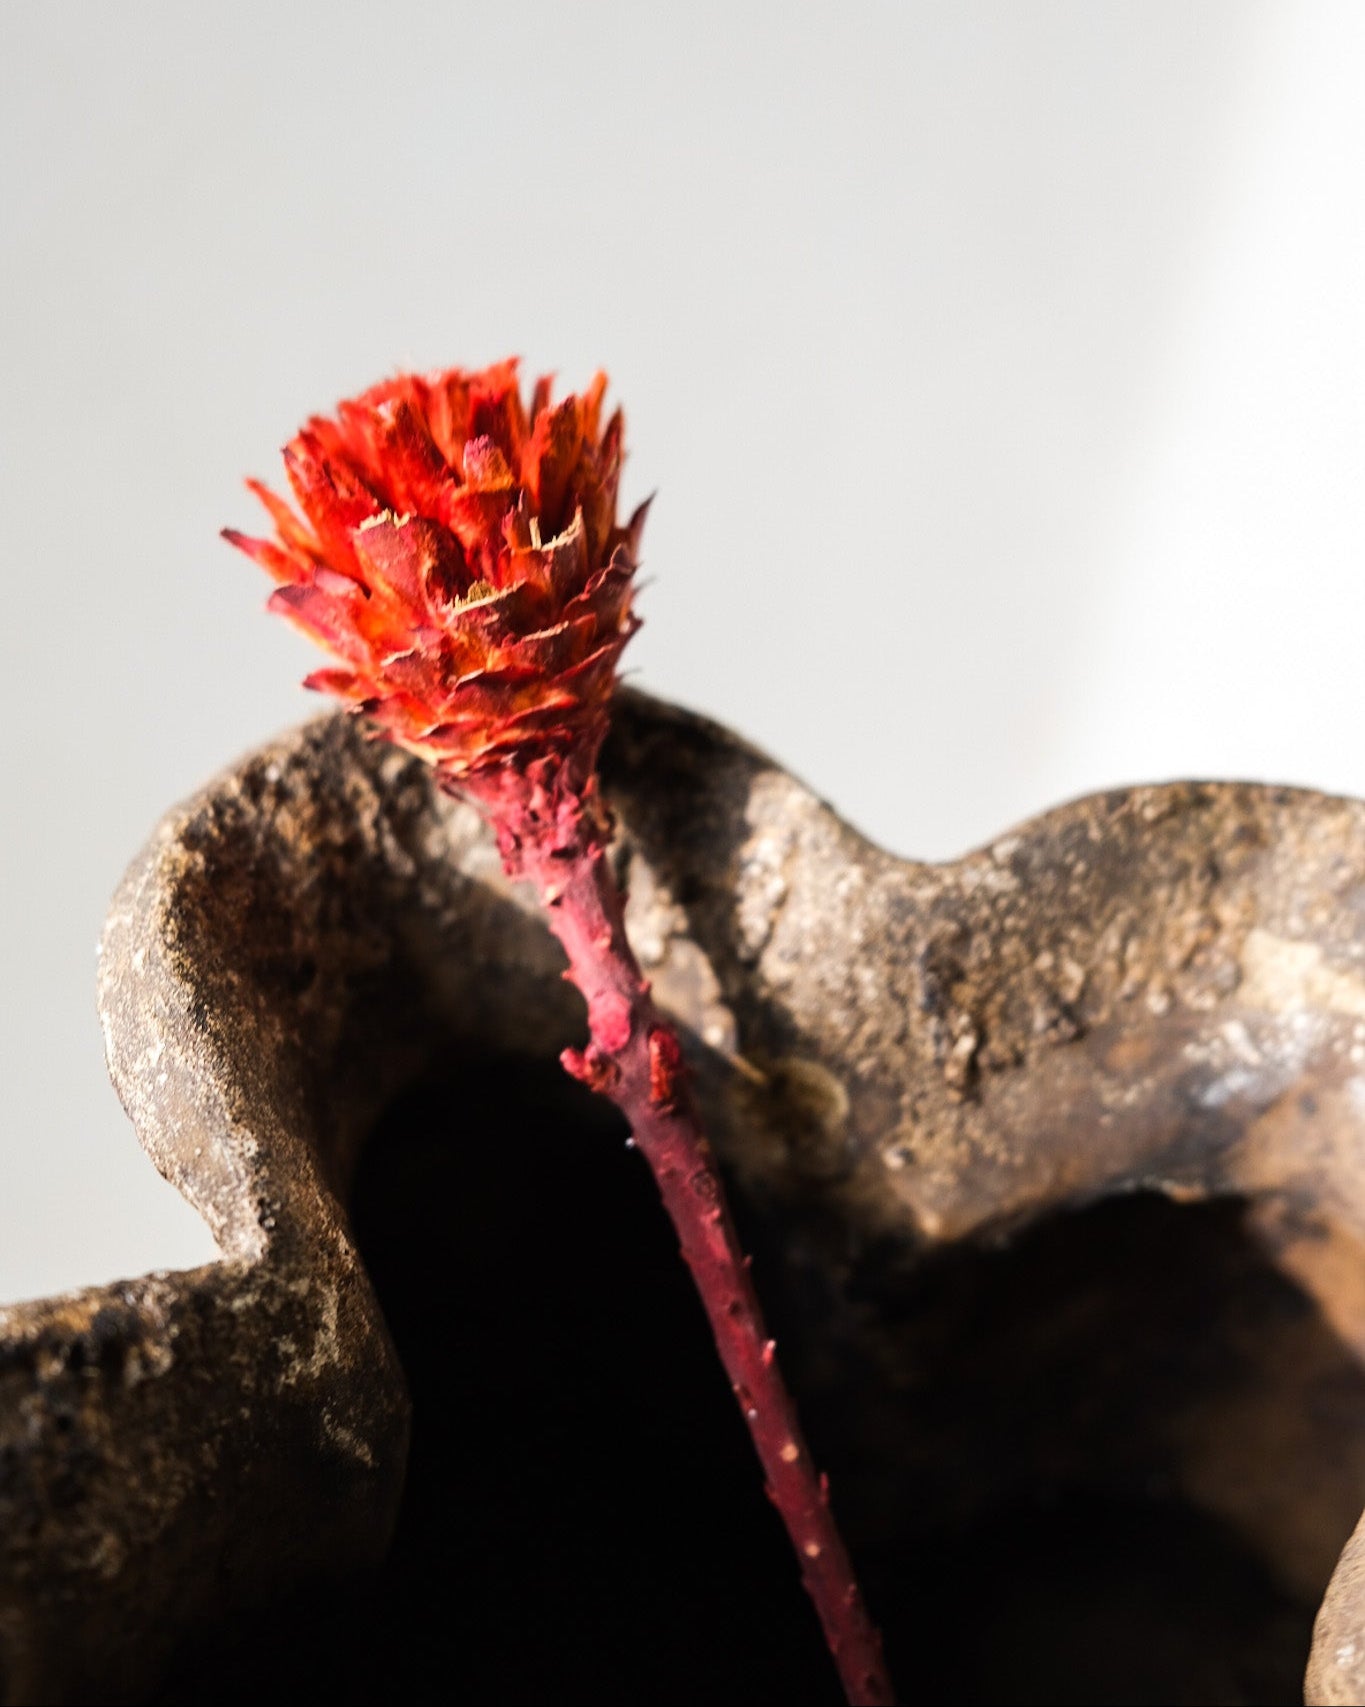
(635, 1059)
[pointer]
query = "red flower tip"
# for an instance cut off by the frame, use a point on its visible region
(460, 555)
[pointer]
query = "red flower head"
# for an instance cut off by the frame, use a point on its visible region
(459, 553)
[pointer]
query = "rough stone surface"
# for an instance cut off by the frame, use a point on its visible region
(1156, 989)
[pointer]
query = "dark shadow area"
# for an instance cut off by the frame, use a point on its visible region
(584, 1521)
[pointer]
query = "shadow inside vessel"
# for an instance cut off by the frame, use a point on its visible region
(584, 1520)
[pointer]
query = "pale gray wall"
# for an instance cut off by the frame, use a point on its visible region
(1001, 369)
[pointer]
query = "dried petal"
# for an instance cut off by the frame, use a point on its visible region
(325, 618)
(277, 562)
(552, 455)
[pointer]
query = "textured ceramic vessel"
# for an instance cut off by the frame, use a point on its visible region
(1052, 1158)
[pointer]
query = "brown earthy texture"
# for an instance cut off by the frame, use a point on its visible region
(906, 1070)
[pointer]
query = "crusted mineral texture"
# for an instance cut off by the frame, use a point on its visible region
(1158, 989)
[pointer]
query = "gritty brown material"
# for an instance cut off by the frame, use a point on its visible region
(1155, 989)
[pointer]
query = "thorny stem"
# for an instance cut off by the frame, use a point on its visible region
(558, 842)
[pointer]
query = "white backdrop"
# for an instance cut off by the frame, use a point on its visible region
(1001, 369)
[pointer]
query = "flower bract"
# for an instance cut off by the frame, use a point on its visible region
(456, 548)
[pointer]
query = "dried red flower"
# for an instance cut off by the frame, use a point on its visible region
(459, 552)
